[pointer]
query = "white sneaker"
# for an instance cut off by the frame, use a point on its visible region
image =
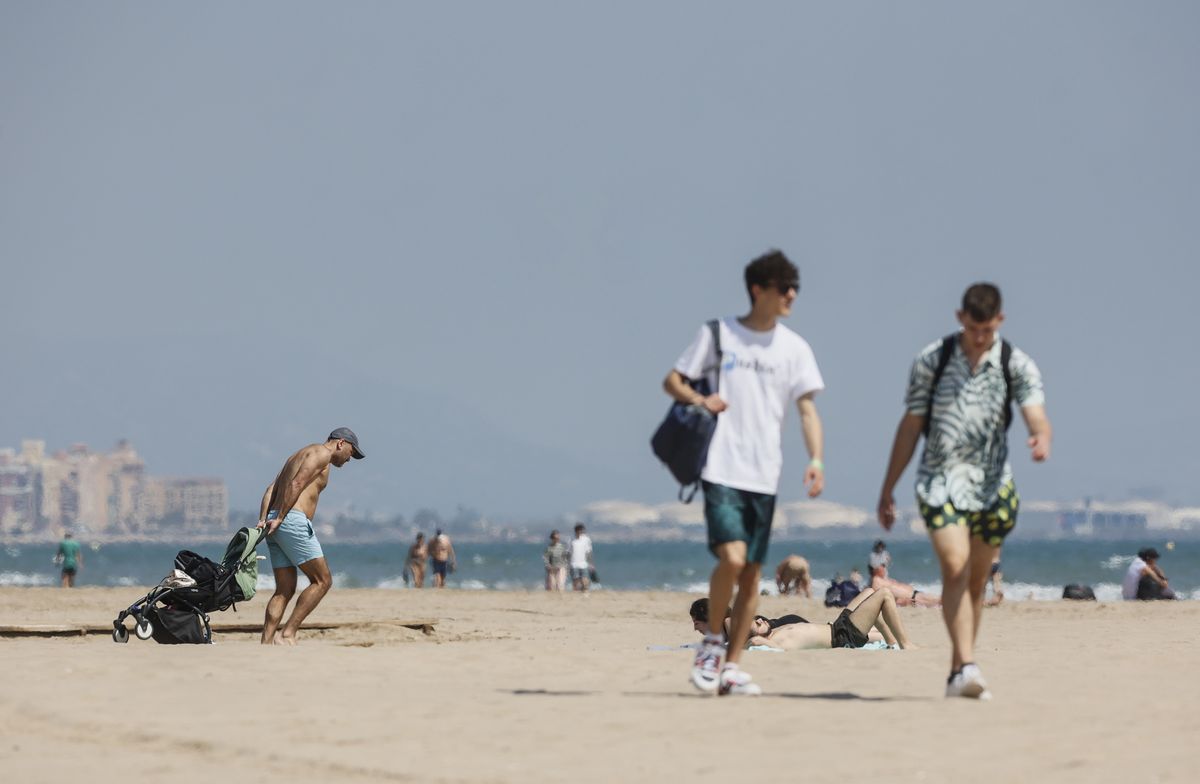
(707, 666)
(968, 682)
(737, 683)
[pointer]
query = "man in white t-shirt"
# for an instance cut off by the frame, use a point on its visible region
(764, 367)
(581, 559)
(1144, 579)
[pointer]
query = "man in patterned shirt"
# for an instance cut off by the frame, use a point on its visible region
(965, 488)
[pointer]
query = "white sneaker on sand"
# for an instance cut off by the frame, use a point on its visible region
(968, 682)
(707, 666)
(737, 683)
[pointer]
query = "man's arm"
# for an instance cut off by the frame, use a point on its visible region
(265, 507)
(907, 434)
(1040, 432)
(814, 440)
(677, 387)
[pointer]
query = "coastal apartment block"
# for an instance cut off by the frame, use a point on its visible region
(102, 493)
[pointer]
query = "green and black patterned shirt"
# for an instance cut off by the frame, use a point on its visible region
(965, 460)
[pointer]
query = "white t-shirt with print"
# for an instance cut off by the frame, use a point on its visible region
(762, 373)
(581, 548)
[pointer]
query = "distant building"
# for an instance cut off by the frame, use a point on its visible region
(102, 493)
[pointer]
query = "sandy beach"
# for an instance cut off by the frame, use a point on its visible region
(524, 686)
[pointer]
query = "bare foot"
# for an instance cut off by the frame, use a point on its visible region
(286, 639)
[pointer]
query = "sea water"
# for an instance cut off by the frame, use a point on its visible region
(1033, 570)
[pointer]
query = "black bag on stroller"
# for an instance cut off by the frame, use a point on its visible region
(176, 610)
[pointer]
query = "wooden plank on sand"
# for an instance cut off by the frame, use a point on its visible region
(67, 630)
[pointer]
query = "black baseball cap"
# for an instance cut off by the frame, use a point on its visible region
(347, 435)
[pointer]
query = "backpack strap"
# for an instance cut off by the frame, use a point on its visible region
(944, 354)
(1006, 350)
(715, 327)
(688, 492)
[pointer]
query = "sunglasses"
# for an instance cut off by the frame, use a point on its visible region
(785, 287)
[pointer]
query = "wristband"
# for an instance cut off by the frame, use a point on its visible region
(817, 464)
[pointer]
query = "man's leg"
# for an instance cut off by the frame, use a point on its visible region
(731, 560)
(953, 548)
(320, 581)
(285, 587)
(878, 609)
(982, 555)
(744, 608)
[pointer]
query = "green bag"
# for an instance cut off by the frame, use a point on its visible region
(241, 558)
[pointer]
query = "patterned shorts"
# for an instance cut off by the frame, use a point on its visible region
(990, 525)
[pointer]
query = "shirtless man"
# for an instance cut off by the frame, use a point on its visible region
(416, 561)
(287, 510)
(793, 574)
(441, 554)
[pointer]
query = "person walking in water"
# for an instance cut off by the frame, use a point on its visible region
(70, 558)
(441, 556)
(555, 559)
(416, 561)
(960, 394)
(287, 510)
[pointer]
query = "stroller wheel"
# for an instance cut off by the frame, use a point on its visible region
(120, 634)
(144, 629)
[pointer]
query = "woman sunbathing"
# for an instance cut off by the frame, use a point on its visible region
(851, 629)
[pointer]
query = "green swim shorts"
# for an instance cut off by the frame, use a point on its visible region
(736, 515)
(990, 525)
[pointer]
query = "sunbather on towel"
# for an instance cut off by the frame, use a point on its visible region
(851, 629)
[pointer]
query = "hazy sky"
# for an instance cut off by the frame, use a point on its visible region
(480, 233)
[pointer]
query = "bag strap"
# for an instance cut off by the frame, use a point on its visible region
(944, 354)
(1006, 350)
(715, 327)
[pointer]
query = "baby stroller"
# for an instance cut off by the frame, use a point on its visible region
(176, 610)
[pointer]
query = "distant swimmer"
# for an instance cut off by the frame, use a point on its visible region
(960, 394)
(793, 575)
(415, 566)
(287, 510)
(441, 558)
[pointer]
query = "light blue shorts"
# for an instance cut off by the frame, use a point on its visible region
(293, 542)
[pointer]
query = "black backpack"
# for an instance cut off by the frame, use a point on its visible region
(840, 593)
(681, 441)
(1079, 592)
(947, 351)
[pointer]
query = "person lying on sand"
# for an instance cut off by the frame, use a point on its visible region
(851, 629)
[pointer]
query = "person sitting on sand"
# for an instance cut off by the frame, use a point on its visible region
(1145, 580)
(793, 574)
(905, 594)
(851, 629)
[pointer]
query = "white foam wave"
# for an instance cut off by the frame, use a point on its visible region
(24, 579)
(1117, 562)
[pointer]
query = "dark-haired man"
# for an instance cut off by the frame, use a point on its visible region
(287, 510)
(959, 394)
(764, 367)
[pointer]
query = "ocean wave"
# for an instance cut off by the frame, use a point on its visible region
(1117, 562)
(25, 579)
